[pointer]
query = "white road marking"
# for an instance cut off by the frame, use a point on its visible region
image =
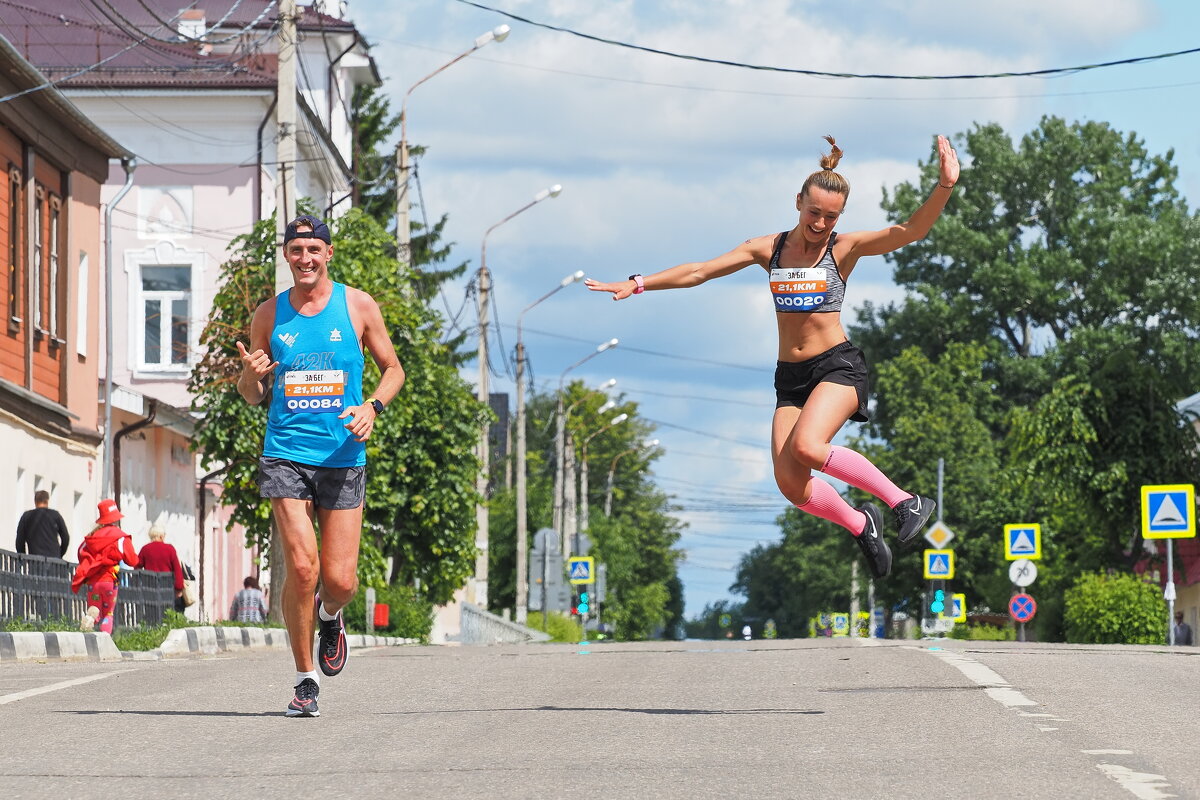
(996, 687)
(1107, 752)
(1143, 785)
(54, 687)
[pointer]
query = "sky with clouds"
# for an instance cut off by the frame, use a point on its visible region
(665, 161)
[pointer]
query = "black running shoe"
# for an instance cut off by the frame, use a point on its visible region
(911, 516)
(331, 648)
(304, 704)
(879, 557)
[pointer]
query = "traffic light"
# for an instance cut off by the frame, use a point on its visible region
(584, 604)
(937, 597)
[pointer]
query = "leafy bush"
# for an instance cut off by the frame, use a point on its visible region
(52, 624)
(148, 638)
(984, 633)
(409, 615)
(561, 627)
(1114, 609)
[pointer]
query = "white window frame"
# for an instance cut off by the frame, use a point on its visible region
(163, 254)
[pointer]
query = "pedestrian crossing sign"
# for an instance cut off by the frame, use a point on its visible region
(580, 569)
(939, 563)
(1169, 512)
(1022, 540)
(959, 605)
(841, 624)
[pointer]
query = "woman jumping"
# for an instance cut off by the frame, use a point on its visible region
(820, 378)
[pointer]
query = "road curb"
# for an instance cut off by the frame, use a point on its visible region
(57, 646)
(180, 642)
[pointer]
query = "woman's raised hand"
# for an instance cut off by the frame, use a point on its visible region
(948, 176)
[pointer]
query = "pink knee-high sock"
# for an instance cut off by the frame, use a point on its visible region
(854, 468)
(826, 503)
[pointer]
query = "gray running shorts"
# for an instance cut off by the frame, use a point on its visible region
(333, 488)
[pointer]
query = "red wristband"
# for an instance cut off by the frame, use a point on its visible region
(641, 284)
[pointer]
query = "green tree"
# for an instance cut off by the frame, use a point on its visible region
(1115, 609)
(636, 542)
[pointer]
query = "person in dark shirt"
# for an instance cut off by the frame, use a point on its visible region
(158, 556)
(42, 531)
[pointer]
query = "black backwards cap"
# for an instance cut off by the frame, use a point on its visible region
(319, 229)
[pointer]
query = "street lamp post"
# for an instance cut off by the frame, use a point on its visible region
(481, 485)
(403, 234)
(570, 516)
(612, 471)
(522, 611)
(559, 444)
(584, 519)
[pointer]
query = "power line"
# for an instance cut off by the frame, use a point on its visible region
(627, 349)
(1042, 73)
(939, 98)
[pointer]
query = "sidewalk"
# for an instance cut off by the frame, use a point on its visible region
(205, 640)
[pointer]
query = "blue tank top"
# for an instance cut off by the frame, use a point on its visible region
(319, 375)
(817, 288)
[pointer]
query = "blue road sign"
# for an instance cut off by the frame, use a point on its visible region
(1022, 607)
(1022, 541)
(939, 564)
(1168, 512)
(580, 569)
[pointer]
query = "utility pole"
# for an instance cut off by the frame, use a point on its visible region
(285, 204)
(485, 446)
(285, 147)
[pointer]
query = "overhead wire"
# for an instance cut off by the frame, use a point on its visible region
(940, 98)
(1036, 73)
(628, 349)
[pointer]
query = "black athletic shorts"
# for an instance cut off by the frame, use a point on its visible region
(334, 488)
(842, 364)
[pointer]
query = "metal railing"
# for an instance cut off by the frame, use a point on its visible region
(484, 627)
(36, 588)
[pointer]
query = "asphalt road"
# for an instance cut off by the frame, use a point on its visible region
(811, 718)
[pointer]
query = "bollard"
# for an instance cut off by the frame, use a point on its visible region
(370, 603)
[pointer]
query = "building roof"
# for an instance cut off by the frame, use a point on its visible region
(35, 102)
(149, 44)
(117, 43)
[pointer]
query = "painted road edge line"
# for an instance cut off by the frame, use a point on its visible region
(54, 687)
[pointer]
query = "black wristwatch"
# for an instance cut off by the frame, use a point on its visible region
(378, 406)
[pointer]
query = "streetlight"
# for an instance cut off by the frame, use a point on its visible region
(583, 524)
(403, 235)
(612, 471)
(522, 501)
(560, 442)
(481, 482)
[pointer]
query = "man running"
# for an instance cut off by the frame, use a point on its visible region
(313, 465)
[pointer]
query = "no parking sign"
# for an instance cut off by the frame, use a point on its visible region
(1022, 607)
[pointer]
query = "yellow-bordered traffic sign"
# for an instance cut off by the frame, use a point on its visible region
(958, 602)
(1169, 512)
(841, 623)
(939, 563)
(580, 569)
(1022, 540)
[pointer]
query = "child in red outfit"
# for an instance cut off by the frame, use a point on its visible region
(100, 557)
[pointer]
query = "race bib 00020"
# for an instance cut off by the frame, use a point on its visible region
(798, 289)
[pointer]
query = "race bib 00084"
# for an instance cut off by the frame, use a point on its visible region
(314, 391)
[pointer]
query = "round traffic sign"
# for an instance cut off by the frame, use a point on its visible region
(1022, 607)
(1022, 572)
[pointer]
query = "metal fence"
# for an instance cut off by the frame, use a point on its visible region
(36, 588)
